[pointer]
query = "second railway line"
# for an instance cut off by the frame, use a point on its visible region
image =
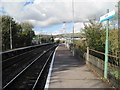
(27, 68)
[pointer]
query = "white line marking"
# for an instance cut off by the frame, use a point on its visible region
(50, 71)
(22, 71)
(41, 72)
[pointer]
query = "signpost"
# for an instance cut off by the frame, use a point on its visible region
(106, 17)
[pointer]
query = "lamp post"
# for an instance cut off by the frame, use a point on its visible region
(64, 31)
(73, 26)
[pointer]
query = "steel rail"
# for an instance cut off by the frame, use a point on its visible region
(26, 68)
(24, 52)
(13, 67)
(23, 48)
(18, 55)
(41, 71)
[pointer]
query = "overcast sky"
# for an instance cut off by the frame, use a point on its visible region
(47, 16)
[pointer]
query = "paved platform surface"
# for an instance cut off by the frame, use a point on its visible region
(69, 72)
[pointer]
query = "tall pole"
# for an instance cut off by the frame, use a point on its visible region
(106, 48)
(40, 36)
(11, 46)
(30, 37)
(118, 42)
(73, 26)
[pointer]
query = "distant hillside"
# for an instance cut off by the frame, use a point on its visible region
(67, 35)
(60, 35)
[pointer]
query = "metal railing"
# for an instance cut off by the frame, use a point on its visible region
(97, 63)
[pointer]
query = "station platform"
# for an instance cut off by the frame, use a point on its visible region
(70, 72)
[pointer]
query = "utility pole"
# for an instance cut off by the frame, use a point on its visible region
(39, 39)
(31, 37)
(40, 36)
(11, 46)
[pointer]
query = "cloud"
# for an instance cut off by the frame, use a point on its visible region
(41, 32)
(78, 27)
(37, 32)
(44, 13)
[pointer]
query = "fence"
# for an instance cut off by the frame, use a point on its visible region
(98, 65)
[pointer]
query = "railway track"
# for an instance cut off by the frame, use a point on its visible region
(11, 67)
(10, 61)
(27, 76)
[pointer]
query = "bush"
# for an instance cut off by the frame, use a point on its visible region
(57, 41)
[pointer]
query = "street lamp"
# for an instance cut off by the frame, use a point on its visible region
(73, 26)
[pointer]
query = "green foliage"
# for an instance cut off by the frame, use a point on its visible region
(80, 45)
(113, 37)
(15, 28)
(27, 33)
(52, 39)
(44, 38)
(115, 74)
(47, 39)
(95, 35)
(58, 41)
(21, 35)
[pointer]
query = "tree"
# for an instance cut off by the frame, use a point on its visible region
(5, 32)
(21, 34)
(52, 39)
(113, 41)
(15, 28)
(95, 35)
(27, 33)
